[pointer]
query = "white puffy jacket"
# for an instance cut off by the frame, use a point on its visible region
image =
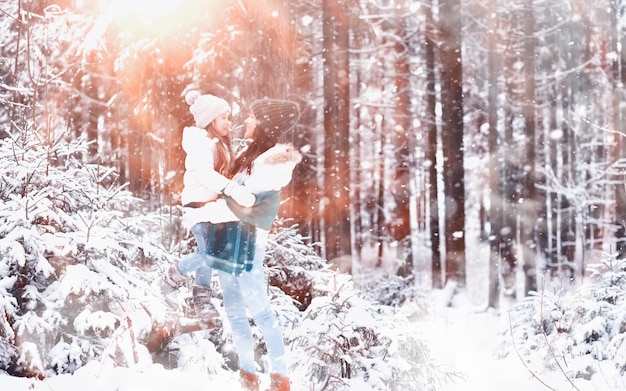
(201, 182)
(272, 170)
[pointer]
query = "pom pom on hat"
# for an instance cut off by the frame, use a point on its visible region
(191, 97)
(205, 108)
(275, 116)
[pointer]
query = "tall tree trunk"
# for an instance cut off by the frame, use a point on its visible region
(305, 183)
(452, 137)
(566, 210)
(379, 187)
(509, 178)
(511, 161)
(619, 40)
(495, 158)
(553, 199)
(336, 128)
(431, 152)
(16, 110)
(140, 158)
(403, 134)
(273, 49)
(528, 214)
(96, 110)
(356, 208)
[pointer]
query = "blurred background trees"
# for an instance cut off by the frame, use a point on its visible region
(434, 132)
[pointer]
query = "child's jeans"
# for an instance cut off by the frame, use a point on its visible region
(195, 261)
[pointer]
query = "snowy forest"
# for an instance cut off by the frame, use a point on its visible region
(438, 137)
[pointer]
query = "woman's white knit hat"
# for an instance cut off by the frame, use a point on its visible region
(205, 108)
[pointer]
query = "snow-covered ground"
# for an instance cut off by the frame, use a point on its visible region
(464, 338)
(461, 337)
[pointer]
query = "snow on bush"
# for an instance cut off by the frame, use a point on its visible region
(343, 337)
(67, 255)
(579, 334)
(74, 289)
(336, 337)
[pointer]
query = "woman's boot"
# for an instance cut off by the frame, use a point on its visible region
(279, 383)
(249, 381)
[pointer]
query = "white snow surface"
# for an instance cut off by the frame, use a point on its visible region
(461, 337)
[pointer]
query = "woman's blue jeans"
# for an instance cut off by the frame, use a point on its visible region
(249, 291)
(194, 262)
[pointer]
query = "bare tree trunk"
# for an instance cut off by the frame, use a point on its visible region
(507, 233)
(566, 210)
(16, 120)
(403, 134)
(296, 79)
(619, 39)
(554, 200)
(511, 161)
(452, 137)
(528, 208)
(495, 174)
(356, 178)
(431, 153)
(336, 128)
(379, 198)
(140, 159)
(273, 49)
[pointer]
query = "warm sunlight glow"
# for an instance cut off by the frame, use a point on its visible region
(151, 17)
(149, 8)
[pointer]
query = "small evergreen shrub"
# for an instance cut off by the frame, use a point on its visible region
(580, 333)
(80, 263)
(68, 255)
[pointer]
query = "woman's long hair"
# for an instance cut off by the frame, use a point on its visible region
(260, 143)
(224, 154)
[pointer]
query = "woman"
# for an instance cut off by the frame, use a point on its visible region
(263, 168)
(208, 149)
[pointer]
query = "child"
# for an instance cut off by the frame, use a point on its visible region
(208, 148)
